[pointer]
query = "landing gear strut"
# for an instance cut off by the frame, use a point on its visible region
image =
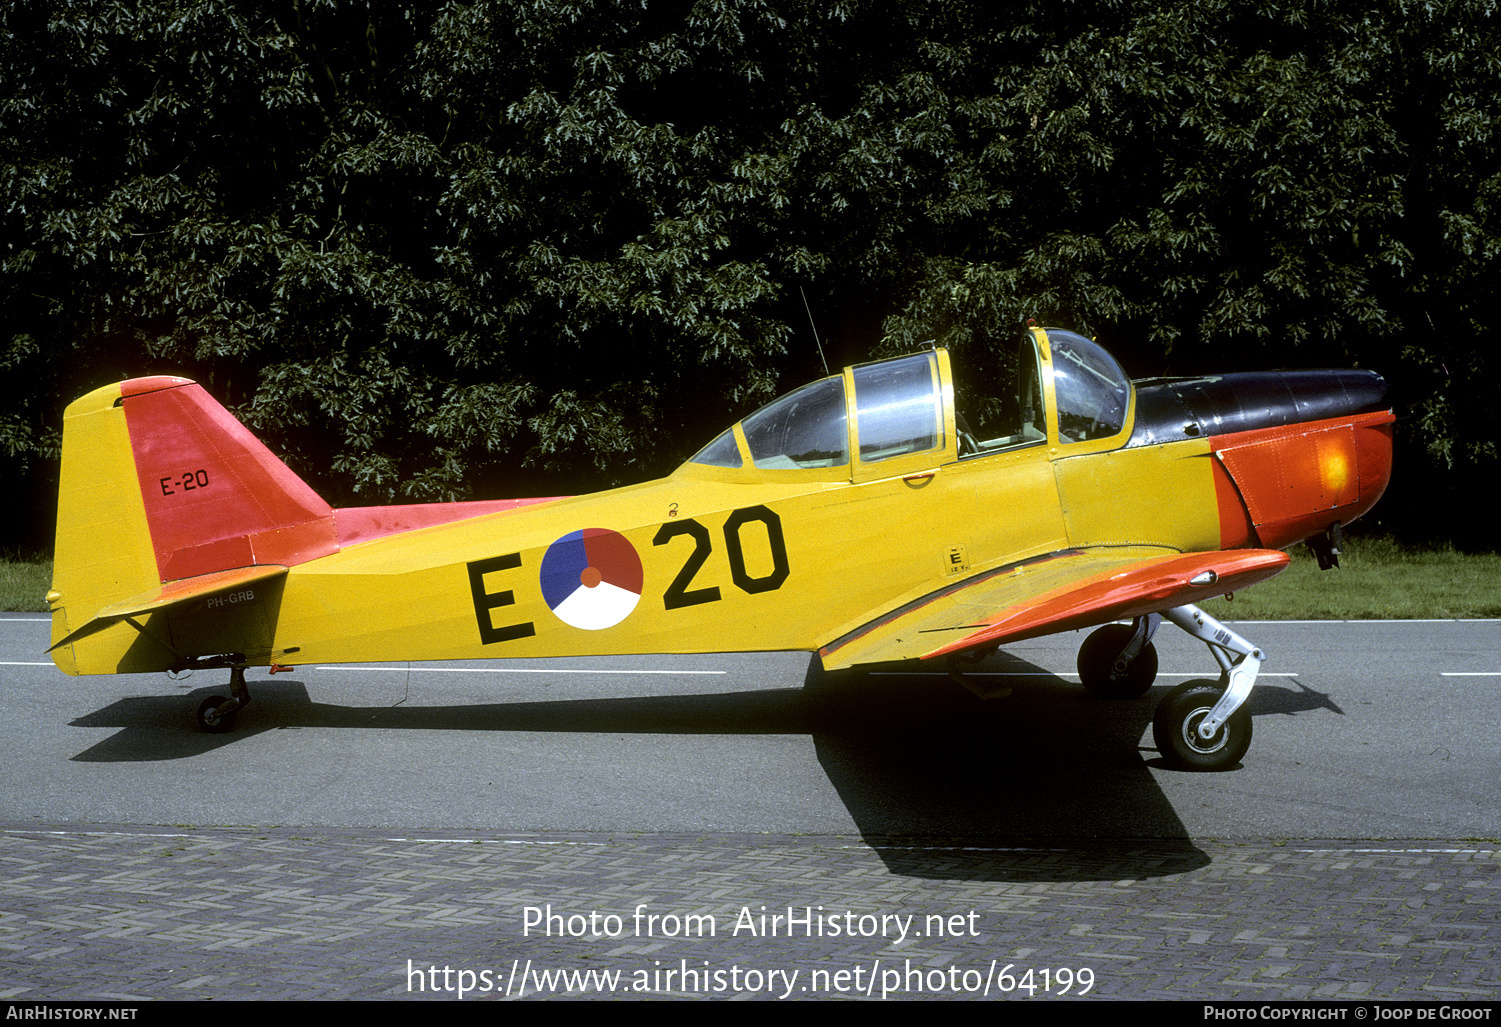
(1197, 726)
(216, 714)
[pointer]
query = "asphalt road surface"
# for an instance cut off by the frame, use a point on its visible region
(740, 765)
(1362, 730)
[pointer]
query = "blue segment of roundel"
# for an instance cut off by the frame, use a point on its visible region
(562, 564)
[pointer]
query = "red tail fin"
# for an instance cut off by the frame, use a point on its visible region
(215, 497)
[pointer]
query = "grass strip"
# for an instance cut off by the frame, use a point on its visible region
(1377, 579)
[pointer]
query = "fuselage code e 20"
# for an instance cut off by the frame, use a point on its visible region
(737, 532)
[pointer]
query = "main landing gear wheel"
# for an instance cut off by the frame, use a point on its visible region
(1097, 664)
(1175, 728)
(211, 720)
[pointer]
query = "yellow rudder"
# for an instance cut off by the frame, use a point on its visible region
(103, 553)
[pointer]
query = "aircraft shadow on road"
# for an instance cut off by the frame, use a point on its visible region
(1045, 784)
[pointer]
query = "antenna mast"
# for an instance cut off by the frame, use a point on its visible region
(815, 330)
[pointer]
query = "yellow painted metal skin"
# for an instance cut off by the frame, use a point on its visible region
(852, 552)
(858, 541)
(1148, 495)
(103, 551)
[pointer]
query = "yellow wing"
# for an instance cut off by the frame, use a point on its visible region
(1062, 591)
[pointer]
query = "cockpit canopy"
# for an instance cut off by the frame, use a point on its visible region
(905, 412)
(1093, 393)
(898, 410)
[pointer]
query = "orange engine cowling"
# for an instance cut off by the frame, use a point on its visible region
(1278, 486)
(1295, 451)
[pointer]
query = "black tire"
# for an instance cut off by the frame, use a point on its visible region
(1097, 660)
(1176, 723)
(211, 720)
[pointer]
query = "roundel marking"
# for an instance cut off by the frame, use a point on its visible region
(591, 578)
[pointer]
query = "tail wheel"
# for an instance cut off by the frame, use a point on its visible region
(1175, 728)
(211, 720)
(1097, 670)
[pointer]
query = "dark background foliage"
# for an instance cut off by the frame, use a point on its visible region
(435, 251)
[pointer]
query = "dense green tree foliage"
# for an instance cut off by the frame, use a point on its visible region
(440, 250)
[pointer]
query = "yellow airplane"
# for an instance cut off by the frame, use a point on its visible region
(857, 517)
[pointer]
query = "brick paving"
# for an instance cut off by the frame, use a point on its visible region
(131, 914)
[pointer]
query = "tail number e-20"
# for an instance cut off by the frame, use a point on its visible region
(679, 595)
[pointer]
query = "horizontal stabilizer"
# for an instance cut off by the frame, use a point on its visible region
(219, 584)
